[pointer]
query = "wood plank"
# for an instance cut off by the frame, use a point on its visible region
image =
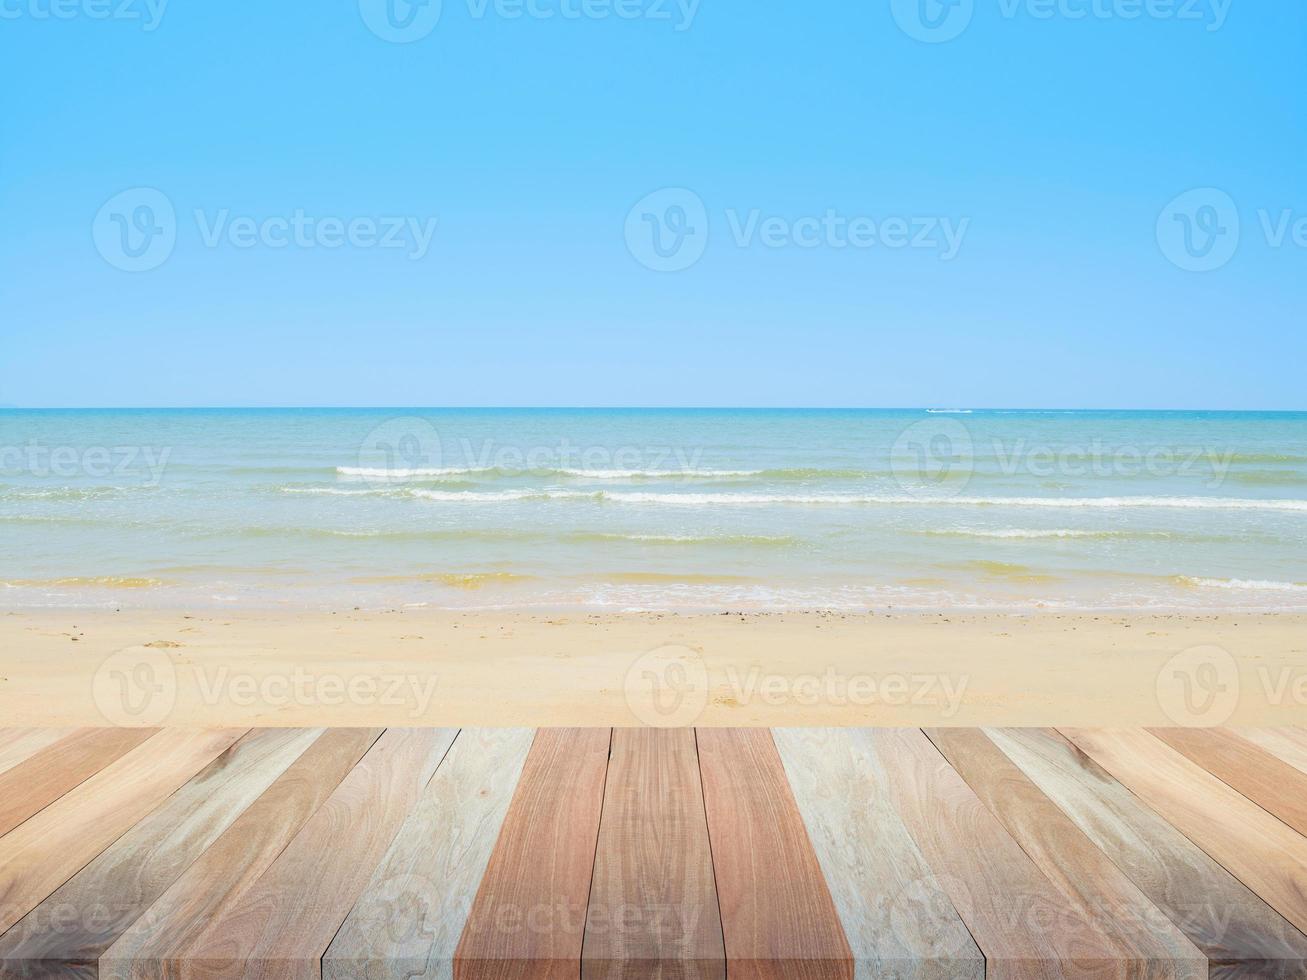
(407, 923)
(65, 935)
(778, 918)
(896, 915)
(1240, 934)
(1141, 933)
(1256, 847)
(48, 774)
(284, 923)
(1269, 782)
(1025, 927)
(161, 942)
(653, 903)
(49, 848)
(528, 917)
(1288, 744)
(19, 744)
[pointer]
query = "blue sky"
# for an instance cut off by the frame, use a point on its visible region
(857, 216)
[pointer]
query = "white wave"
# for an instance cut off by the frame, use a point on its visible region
(381, 473)
(495, 496)
(656, 474)
(767, 499)
(1203, 503)
(1251, 585)
(584, 474)
(948, 411)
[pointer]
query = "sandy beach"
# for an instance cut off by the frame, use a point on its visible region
(421, 667)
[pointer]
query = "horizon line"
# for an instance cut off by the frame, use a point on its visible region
(932, 409)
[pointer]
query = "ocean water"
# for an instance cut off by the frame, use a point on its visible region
(654, 509)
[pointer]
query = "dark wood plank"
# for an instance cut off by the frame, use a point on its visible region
(51, 846)
(898, 919)
(38, 781)
(283, 925)
(1269, 782)
(778, 918)
(161, 942)
(65, 935)
(1148, 942)
(1241, 935)
(528, 917)
(653, 903)
(407, 923)
(1256, 847)
(1025, 927)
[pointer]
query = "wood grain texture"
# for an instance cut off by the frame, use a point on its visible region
(65, 935)
(407, 923)
(528, 917)
(1025, 927)
(778, 918)
(20, 744)
(653, 903)
(1268, 781)
(161, 942)
(48, 774)
(1240, 934)
(1145, 939)
(898, 919)
(1257, 848)
(1287, 744)
(284, 923)
(50, 847)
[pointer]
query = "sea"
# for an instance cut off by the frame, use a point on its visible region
(933, 509)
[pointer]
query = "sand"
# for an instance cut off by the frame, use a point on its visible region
(420, 667)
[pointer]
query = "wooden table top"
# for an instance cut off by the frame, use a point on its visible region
(804, 854)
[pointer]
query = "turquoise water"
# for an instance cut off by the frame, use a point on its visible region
(654, 509)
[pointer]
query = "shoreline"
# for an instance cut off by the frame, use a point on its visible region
(231, 668)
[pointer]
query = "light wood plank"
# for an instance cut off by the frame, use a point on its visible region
(161, 942)
(1256, 847)
(529, 913)
(284, 923)
(1241, 935)
(48, 774)
(898, 920)
(65, 935)
(50, 847)
(407, 923)
(1269, 782)
(19, 744)
(1288, 744)
(1144, 937)
(653, 904)
(778, 918)
(1023, 925)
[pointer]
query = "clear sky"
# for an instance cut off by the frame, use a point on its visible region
(866, 211)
